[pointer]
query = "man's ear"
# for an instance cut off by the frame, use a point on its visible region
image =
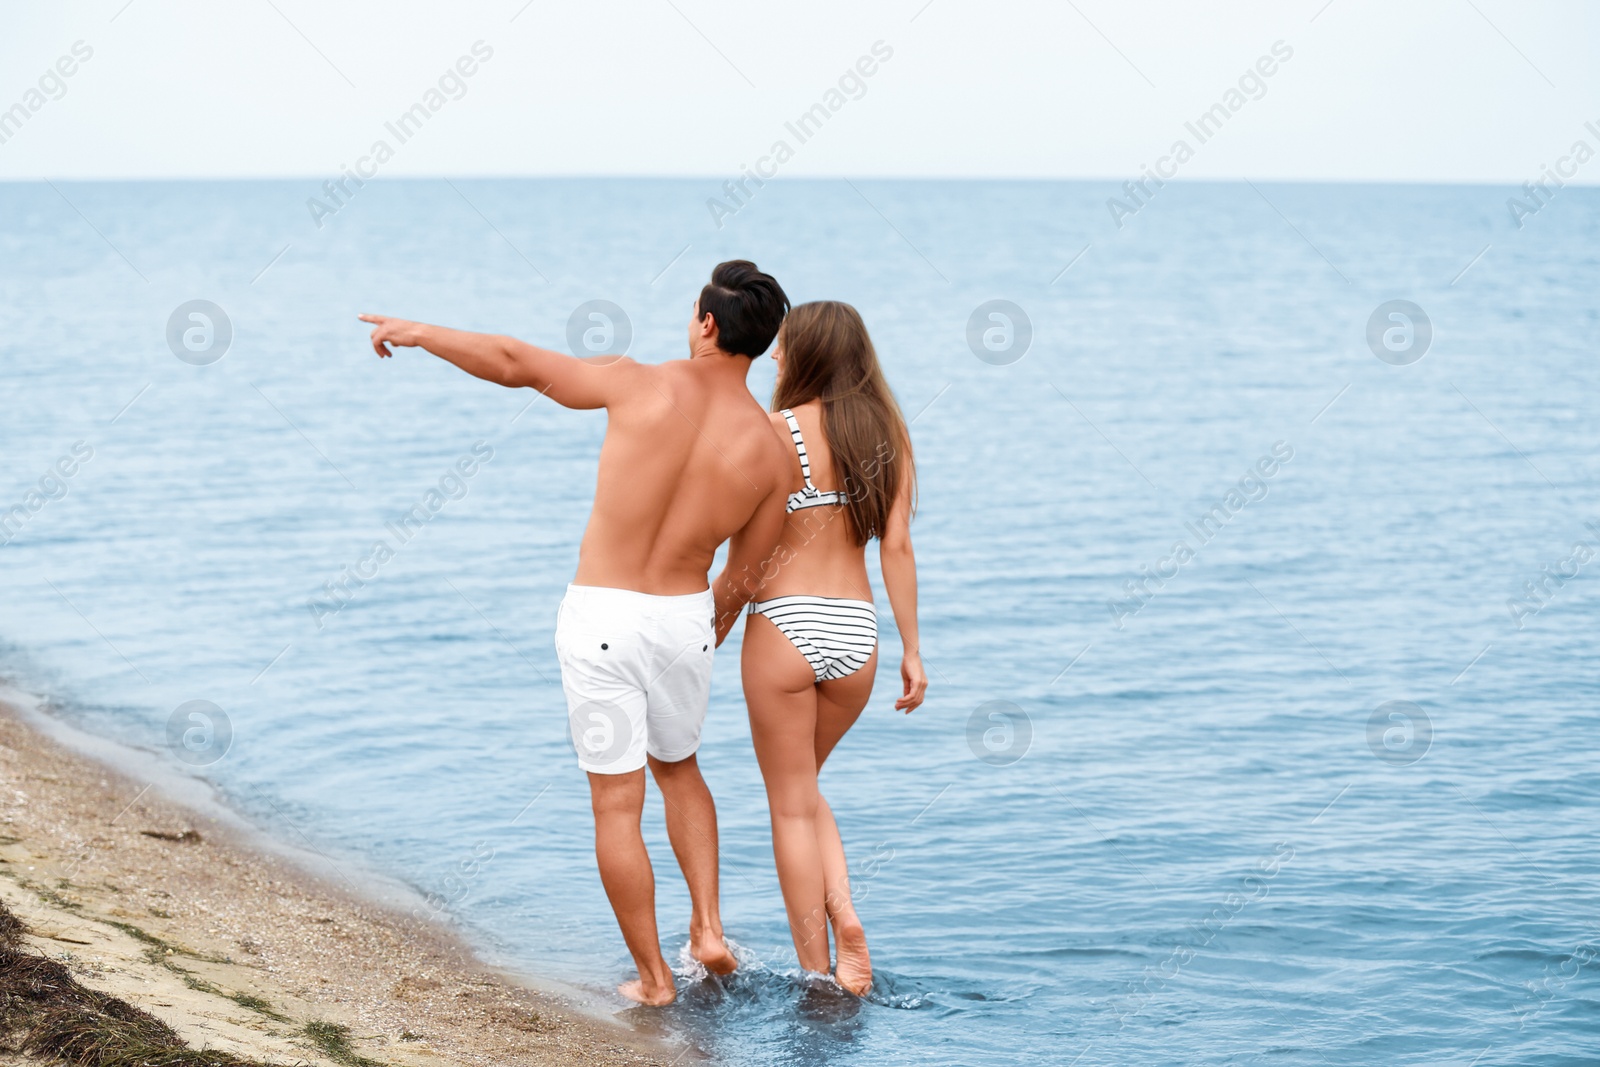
(708, 326)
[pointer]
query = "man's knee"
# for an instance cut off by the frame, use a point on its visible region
(617, 794)
(669, 773)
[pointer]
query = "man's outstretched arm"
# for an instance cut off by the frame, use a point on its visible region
(569, 381)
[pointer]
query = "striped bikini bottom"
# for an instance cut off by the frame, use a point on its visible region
(836, 637)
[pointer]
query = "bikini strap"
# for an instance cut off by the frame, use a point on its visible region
(799, 446)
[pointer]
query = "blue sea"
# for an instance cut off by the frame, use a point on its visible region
(1257, 544)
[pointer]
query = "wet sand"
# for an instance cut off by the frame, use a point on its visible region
(238, 948)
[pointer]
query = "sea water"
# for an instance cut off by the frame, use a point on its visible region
(1260, 622)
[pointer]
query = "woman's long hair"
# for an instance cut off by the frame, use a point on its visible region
(828, 354)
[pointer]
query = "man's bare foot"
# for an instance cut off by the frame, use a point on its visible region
(712, 952)
(853, 966)
(653, 995)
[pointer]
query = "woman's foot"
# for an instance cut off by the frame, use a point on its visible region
(708, 947)
(852, 967)
(654, 994)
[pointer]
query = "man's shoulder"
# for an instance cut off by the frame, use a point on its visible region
(668, 374)
(625, 366)
(638, 381)
(774, 455)
(777, 438)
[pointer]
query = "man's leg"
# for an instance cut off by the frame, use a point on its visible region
(618, 801)
(692, 829)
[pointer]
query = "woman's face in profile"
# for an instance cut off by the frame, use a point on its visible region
(777, 356)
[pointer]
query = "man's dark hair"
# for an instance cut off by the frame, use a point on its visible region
(749, 307)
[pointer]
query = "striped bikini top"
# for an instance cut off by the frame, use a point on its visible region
(810, 496)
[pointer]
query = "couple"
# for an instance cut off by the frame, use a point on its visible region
(691, 460)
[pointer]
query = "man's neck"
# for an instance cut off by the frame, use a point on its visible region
(713, 360)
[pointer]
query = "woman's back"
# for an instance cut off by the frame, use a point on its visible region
(818, 554)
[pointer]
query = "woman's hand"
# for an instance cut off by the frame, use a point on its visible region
(914, 682)
(387, 331)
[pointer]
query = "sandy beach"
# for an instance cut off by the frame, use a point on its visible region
(241, 951)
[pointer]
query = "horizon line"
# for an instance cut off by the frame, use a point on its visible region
(925, 178)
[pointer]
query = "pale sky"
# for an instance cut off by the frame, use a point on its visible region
(1407, 90)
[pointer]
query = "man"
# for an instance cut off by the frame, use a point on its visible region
(689, 460)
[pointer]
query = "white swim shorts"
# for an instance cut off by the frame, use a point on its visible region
(636, 670)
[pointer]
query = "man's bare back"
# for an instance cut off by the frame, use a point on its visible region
(688, 458)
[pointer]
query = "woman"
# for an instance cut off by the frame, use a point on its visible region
(810, 645)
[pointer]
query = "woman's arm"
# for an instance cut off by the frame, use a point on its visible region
(900, 580)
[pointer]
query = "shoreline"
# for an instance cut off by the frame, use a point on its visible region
(148, 887)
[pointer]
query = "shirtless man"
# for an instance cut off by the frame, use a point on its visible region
(689, 460)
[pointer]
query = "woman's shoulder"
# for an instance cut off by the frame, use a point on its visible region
(812, 420)
(808, 414)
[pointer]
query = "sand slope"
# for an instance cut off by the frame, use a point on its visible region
(238, 950)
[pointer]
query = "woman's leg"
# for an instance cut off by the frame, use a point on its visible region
(781, 693)
(839, 703)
